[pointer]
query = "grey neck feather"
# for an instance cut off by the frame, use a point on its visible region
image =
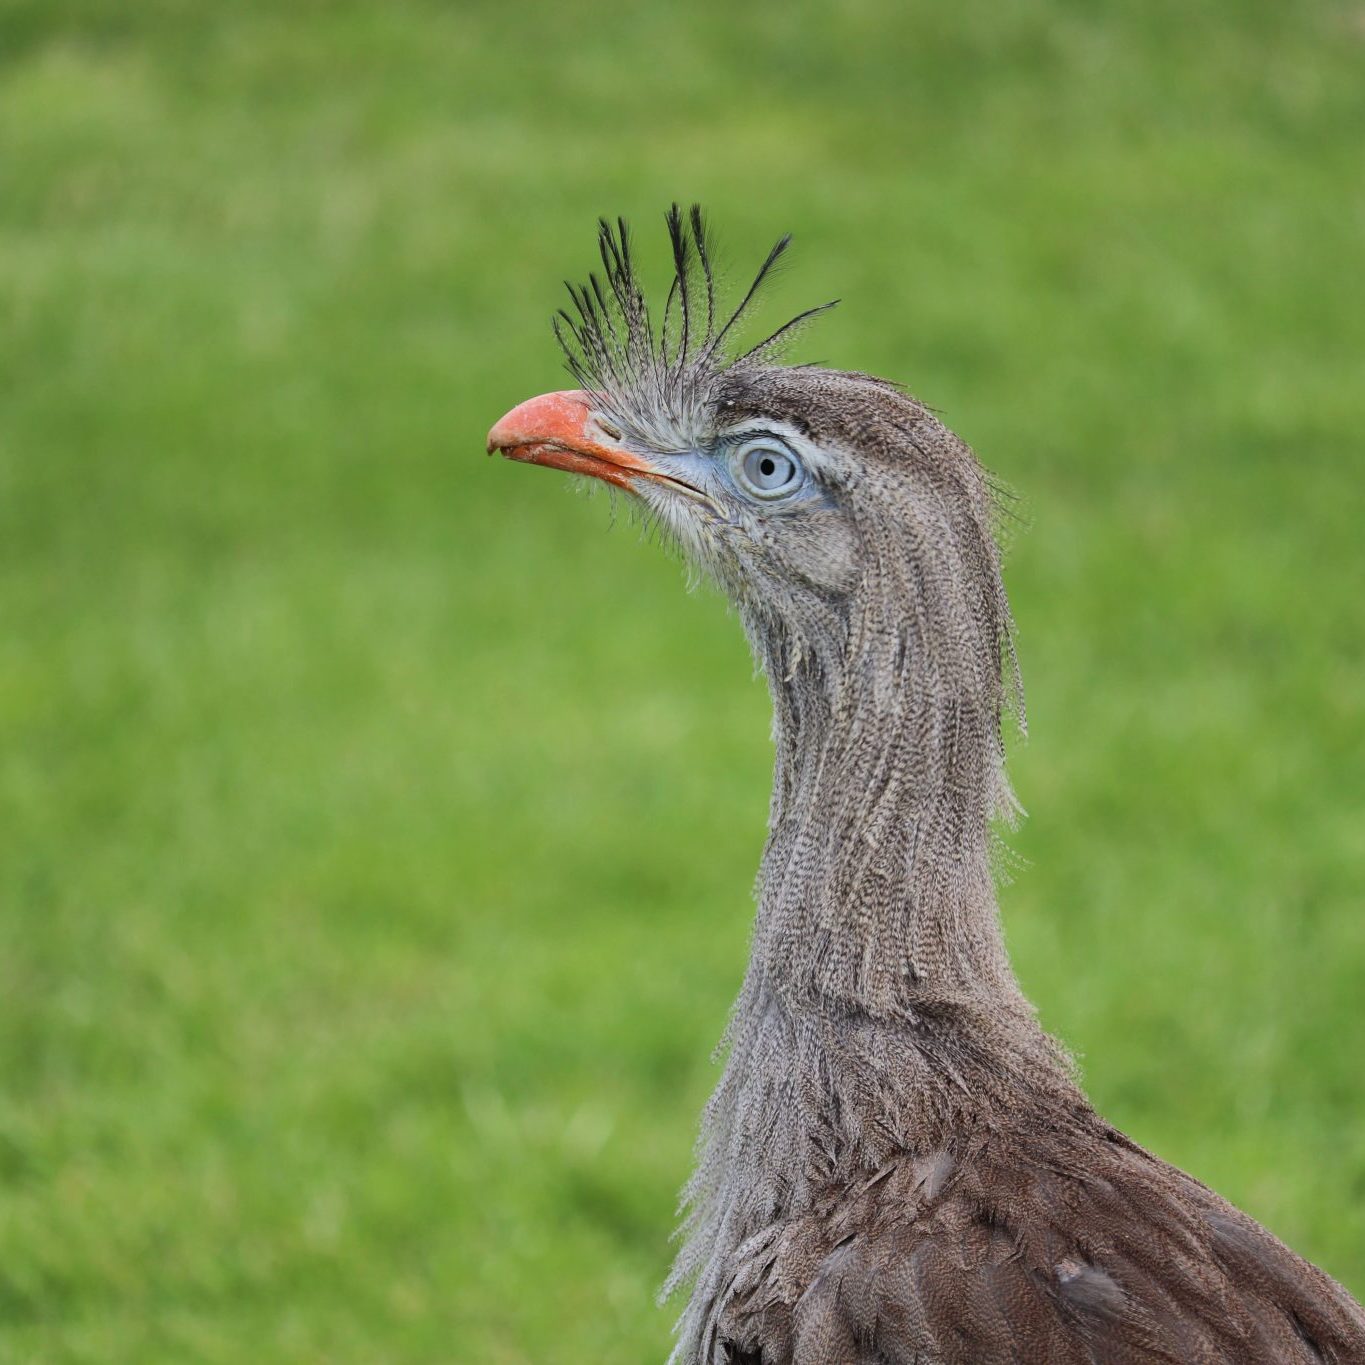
(879, 1014)
(876, 890)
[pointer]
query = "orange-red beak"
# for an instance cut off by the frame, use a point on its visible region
(559, 431)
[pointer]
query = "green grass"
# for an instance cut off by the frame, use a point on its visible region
(376, 829)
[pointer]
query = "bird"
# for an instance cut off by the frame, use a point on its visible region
(898, 1164)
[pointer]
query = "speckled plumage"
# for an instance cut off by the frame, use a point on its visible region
(897, 1164)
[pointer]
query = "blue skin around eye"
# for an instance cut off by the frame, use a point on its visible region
(712, 469)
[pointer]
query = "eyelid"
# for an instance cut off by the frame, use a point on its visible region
(739, 438)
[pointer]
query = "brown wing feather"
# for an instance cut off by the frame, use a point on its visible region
(1078, 1250)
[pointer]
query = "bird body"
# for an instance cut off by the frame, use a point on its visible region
(1050, 1238)
(897, 1164)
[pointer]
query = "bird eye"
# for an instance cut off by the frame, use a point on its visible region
(767, 471)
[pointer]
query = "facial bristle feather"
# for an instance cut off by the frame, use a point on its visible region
(775, 339)
(775, 255)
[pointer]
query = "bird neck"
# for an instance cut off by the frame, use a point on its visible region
(876, 893)
(879, 1015)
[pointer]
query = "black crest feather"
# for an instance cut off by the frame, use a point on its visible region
(646, 370)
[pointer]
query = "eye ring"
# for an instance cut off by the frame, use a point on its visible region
(767, 469)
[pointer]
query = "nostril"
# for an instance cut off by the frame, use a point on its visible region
(609, 428)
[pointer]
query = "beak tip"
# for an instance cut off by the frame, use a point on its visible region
(551, 414)
(555, 430)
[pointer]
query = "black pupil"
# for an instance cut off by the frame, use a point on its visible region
(768, 467)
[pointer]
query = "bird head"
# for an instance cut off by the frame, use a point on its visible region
(836, 511)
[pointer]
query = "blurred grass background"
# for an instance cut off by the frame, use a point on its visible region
(376, 829)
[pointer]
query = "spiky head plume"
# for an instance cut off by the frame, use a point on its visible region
(655, 378)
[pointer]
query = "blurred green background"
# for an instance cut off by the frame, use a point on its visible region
(376, 829)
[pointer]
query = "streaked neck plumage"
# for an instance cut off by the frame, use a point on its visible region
(876, 895)
(879, 1013)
